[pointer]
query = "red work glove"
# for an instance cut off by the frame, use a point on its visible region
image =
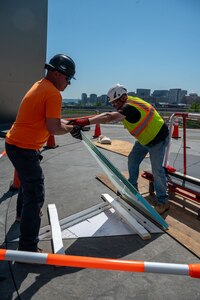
(80, 122)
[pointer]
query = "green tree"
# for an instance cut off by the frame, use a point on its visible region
(195, 107)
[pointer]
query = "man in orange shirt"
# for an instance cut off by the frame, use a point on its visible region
(39, 116)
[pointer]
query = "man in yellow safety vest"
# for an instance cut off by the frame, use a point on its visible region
(150, 131)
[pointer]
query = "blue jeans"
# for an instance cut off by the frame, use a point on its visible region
(156, 153)
(31, 194)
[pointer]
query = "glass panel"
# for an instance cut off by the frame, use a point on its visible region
(122, 184)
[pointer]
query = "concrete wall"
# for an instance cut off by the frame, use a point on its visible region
(23, 36)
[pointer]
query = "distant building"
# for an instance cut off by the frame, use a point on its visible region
(193, 97)
(143, 93)
(176, 95)
(164, 98)
(92, 98)
(160, 96)
(133, 94)
(84, 98)
(102, 99)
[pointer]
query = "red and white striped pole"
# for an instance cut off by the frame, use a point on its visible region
(192, 270)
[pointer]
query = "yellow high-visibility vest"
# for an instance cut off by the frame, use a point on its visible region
(150, 123)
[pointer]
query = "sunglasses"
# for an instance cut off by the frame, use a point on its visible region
(68, 79)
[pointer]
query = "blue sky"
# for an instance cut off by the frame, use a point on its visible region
(153, 44)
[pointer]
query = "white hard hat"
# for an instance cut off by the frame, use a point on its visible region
(116, 92)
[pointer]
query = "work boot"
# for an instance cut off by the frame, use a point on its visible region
(39, 250)
(161, 208)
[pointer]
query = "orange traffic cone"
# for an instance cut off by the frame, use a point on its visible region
(97, 131)
(51, 144)
(3, 153)
(16, 182)
(175, 131)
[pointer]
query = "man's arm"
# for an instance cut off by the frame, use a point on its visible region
(58, 126)
(106, 117)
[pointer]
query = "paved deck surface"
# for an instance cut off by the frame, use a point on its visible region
(70, 172)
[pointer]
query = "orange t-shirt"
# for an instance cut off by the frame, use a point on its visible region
(29, 130)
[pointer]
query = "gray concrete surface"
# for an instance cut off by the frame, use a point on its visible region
(70, 172)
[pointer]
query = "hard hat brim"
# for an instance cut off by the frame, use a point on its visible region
(51, 68)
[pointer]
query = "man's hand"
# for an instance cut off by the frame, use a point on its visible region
(80, 122)
(76, 132)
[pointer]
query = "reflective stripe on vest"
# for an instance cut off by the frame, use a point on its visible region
(150, 123)
(149, 110)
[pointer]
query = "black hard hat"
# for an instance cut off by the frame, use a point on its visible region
(62, 63)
